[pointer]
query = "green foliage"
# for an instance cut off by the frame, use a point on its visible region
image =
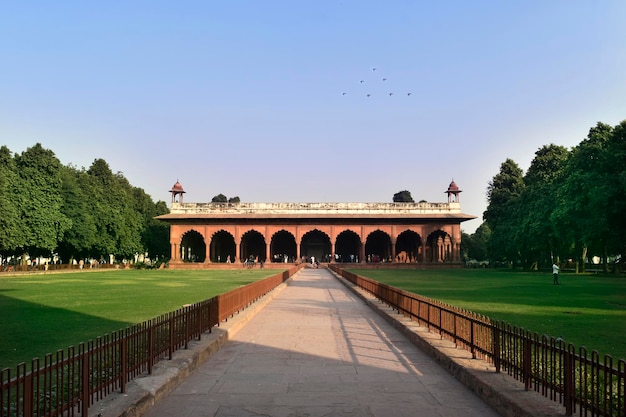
(39, 200)
(474, 247)
(502, 193)
(568, 206)
(403, 197)
(46, 208)
(220, 198)
(11, 236)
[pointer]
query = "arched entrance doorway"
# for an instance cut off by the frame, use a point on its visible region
(283, 247)
(222, 247)
(253, 245)
(378, 247)
(192, 247)
(409, 247)
(315, 243)
(439, 247)
(348, 247)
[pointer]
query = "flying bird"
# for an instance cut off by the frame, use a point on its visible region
(408, 94)
(368, 95)
(343, 94)
(391, 94)
(373, 69)
(384, 79)
(362, 81)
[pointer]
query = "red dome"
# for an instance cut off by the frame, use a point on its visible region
(453, 187)
(178, 188)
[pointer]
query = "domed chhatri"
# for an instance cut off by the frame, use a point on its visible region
(177, 190)
(453, 193)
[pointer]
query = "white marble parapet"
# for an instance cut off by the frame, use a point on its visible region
(300, 209)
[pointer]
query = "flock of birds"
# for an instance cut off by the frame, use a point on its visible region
(369, 94)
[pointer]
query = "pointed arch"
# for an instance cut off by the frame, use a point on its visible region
(315, 243)
(348, 247)
(439, 247)
(409, 247)
(253, 246)
(222, 247)
(192, 247)
(283, 247)
(378, 246)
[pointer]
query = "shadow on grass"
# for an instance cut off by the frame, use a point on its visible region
(30, 330)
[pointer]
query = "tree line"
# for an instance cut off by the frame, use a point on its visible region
(569, 206)
(49, 209)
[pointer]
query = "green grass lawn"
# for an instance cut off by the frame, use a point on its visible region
(586, 310)
(42, 313)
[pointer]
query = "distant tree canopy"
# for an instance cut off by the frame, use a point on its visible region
(221, 198)
(569, 205)
(48, 208)
(403, 197)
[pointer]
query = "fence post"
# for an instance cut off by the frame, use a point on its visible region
(171, 343)
(472, 342)
(496, 346)
(527, 365)
(84, 361)
(568, 382)
(150, 346)
(28, 394)
(186, 318)
(124, 361)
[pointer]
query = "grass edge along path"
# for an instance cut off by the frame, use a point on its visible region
(585, 310)
(45, 312)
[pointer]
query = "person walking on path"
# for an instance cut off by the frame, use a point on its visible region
(555, 273)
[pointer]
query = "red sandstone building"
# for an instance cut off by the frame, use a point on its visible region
(421, 232)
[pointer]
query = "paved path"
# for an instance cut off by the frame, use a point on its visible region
(318, 350)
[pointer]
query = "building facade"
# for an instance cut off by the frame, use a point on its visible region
(326, 232)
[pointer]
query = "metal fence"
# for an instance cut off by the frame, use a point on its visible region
(68, 382)
(582, 381)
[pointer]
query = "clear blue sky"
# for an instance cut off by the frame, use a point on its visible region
(246, 98)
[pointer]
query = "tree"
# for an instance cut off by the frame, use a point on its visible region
(503, 190)
(582, 217)
(535, 235)
(81, 240)
(40, 200)
(234, 199)
(220, 198)
(119, 224)
(474, 246)
(156, 236)
(154, 233)
(403, 197)
(11, 236)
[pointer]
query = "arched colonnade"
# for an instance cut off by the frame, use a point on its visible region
(207, 243)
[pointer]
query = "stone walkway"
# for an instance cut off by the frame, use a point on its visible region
(318, 350)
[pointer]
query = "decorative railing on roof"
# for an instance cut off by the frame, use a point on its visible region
(317, 208)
